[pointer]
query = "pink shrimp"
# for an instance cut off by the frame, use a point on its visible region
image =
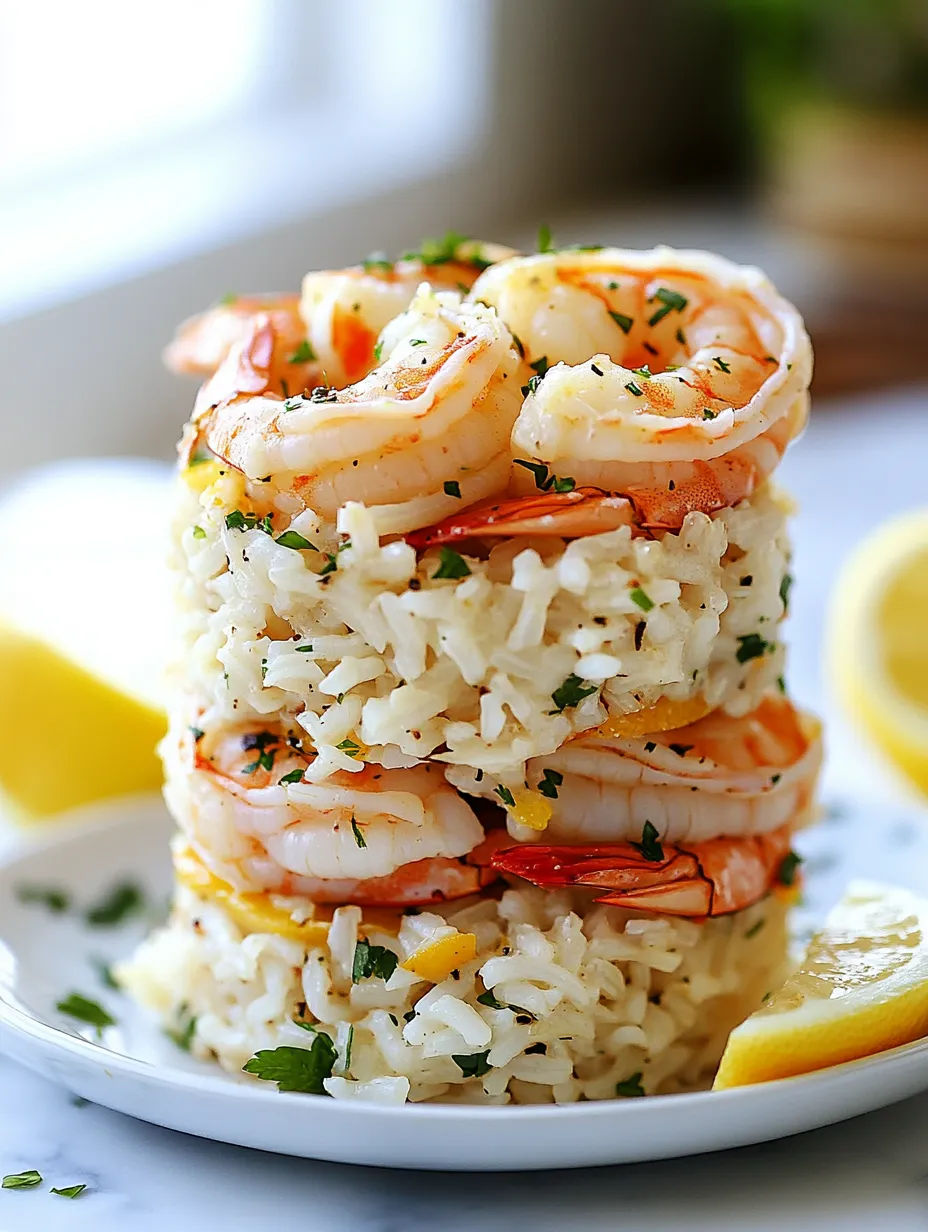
(698, 880)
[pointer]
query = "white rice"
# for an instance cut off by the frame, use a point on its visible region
(464, 671)
(594, 996)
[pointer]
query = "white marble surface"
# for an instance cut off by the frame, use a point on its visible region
(856, 466)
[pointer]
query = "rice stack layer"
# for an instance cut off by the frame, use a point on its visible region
(564, 1000)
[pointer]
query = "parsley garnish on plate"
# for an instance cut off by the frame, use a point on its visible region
(572, 692)
(356, 831)
(296, 1069)
(630, 1086)
(372, 960)
(70, 1191)
(292, 776)
(55, 899)
(473, 1065)
(487, 998)
(81, 1008)
(22, 1180)
(451, 565)
(182, 1035)
(650, 845)
(624, 323)
(124, 899)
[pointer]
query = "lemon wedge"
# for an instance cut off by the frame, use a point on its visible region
(879, 625)
(862, 987)
(84, 627)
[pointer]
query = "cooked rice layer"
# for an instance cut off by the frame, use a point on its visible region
(368, 645)
(593, 996)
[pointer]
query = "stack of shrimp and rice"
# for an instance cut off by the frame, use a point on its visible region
(480, 754)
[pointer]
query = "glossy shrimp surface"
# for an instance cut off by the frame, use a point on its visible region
(721, 775)
(674, 378)
(425, 433)
(377, 836)
(698, 880)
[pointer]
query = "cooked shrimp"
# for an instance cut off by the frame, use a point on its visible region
(335, 324)
(346, 310)
(674, 378)
(718, 776)
(698, 880)
(425, 433)
(378, 836)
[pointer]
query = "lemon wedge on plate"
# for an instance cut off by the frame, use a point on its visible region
(862, 987)
(879, 628)
(84, 624)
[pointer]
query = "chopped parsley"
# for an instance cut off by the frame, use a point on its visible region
(505, 795)
(358, 836)
(544, 480)
(265, 743)
(642, 600)
(785, 587)
(540, 366)
(296, 1069)
(634, 389)
(650, 747)
(447, 249)
(349, 746)
(331, 564)
(378, 350)
(751, 646)
(105, 972)
(70, 1191)
(372, 960)
(630, 1086)
(236, 520)
(681, 750)
(292, 776)
(293, 539)
(54, 899)
(487, 998)
(199, 532)
(293, 404)
(307, 649)
(550, 782)
(644, 372)
(670, 301)
(451, 565)
(182, 1035)
(473, 1065)
(532, 386)
(781, 683)
(680, 337)
(349, 1044)
(708, 413)
(755, 928)
(376, 261)
(417, 341)
(572, 692)
(77, 1006)
(650, 845)
(22, 1180)
(122, 900)
(789, 866)
(624, 323)
(544, 239)
(452, 488)
(721, 364)
(303, 354)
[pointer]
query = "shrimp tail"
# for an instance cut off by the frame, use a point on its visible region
(567, 515)
(707, 879)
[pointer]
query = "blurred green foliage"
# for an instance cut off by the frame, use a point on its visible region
(870, 54)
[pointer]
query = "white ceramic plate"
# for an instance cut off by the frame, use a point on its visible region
(44, 956)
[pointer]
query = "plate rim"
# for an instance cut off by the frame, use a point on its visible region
(84, 823)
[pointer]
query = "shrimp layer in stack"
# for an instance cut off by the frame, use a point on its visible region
(481, 758)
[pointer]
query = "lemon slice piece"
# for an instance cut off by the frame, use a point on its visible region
(862, 987)
(84, 625)
(879, 625)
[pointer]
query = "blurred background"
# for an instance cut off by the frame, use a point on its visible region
(154, 157)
